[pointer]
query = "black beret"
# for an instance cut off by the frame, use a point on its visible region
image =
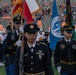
(31, 28)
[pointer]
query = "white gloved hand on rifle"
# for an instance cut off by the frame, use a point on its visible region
(18, 43)
(59, 69)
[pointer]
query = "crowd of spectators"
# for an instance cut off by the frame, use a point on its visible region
(5, 10)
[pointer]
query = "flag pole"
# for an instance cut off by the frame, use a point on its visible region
(11, 16)
(21, 67)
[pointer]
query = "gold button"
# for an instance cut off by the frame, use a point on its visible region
(31, 56)
(31, 68)
(31, 62)
(68, 55)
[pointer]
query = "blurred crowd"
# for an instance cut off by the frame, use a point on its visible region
(5, 10)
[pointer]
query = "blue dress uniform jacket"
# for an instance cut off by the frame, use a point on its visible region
(35, 61)
(46, 42)
(65, 55)
(8, 47)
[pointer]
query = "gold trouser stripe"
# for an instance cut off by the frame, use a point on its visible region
(43, 73)
(67, 63)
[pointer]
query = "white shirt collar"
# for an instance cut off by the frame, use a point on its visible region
(67, 40)
(32, 45)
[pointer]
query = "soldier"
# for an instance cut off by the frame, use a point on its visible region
(6, 51)
(65, 53)
(46, 41)
(36, 54)
(10, 45)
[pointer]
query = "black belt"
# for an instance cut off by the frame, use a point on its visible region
(40, 73)
(67, 63)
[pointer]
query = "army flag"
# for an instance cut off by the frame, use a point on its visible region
(29, 7)
(17, 9)
(26, 13)
(16, 2)
(55, 33)
(69, 18)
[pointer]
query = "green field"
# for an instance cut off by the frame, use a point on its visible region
(2, 71)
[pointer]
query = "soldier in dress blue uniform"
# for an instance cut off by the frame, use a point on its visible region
(8, 58)
(10, 44)
(36, 55)
(65, 53)
(46, 41)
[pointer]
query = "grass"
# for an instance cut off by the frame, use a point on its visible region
(55, 71)
(54, 68)
(2, 71)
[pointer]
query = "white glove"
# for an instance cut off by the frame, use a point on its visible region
(21, 29)
(18, 43)
(59, 69)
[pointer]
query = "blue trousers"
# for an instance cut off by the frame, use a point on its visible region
(9, 69)
(65, 73)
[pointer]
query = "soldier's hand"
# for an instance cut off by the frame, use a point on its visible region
(59, 69)
(18, 43)
(21, 29)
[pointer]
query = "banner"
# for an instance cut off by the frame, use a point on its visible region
(33, 5)
(26, 13)
(17, 9)
(16, 2)
(55, 33)
(29, 7)
(69, 18)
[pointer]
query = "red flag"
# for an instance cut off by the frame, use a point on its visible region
(17, 9)
(26, 13)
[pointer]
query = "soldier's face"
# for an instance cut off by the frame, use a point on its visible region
(67, 35)
(17, 26)
(31, 37)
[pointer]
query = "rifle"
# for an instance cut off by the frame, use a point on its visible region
(21, 68)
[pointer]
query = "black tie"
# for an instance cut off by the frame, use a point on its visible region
(67, 42)
(32, 47)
